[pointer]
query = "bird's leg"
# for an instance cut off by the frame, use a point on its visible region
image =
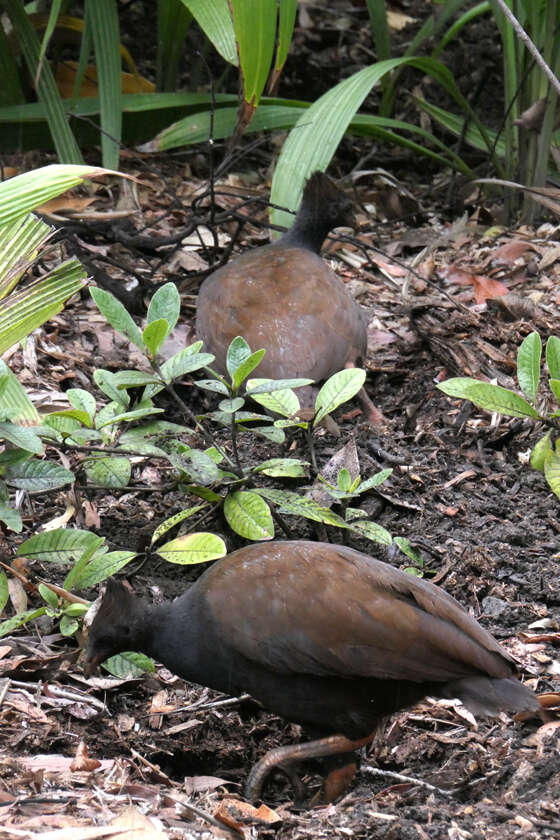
(282, 757)
(371, 413)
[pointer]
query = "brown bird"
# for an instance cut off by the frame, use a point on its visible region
(322, 635)
(285, 298)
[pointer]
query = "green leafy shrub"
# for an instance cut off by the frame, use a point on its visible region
(546, 453)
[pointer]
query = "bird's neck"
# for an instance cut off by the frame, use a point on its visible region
(306, 233)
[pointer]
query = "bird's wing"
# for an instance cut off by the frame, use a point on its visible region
(345, 614)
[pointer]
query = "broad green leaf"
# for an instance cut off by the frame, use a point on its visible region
(554, 385)
(489, 397)
(166, 304)
(179, 365)
(540, 452)
(37, 476)
(344, 480)
(529, 365)
(15, 400)
(79, 418)
(249, 515)
(254, 23)
(99, 568)
(283, 467)
(133, 379)
(413, 554)
(115, 313)
(193, 548)
(267, 432)
(63, 545)
(552, 472)
(10, 518)
(314, 139)
(25, 310)
(68, 625)
(272, 386)
(174, 520)
(296, 505)
(502, 400)
(154, 334)
(372, 531)
(231, 406)
(48, 595)
(213, 385)
(128, 665)
(282, 402)
(203, 493)
(215, 19)
(82, 400)
(553, 356)
(374, 481)
(96, 548)
(200, 467)
(4, 591)
(108, 383)
(22, 437)
(129, 416)
(76, 610)
(108, 471)
(79, 437)
(8, 627)
(237, 352)
(338, 389)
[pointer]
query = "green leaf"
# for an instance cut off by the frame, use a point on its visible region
(193, 548)
(200, 467)
(540, 452)
(213, 385)
(489, 397)
(246, 367)
(59, 546)
(249, 515)
(179, 365)
(174, 520)
(78, 419)
(8, 627)
(108, 383)
(10, 518)
(155, 334)
(231, 406)
(76, 610)
(413, 554)
(129, 416)
(554, 385)
(374, 481)
(103, 24)
(22, 437)
(296, 505)
(82, 400)
(115, 313)
(270, 386)
(215, 19)
(108, 471)
(284, 402)
(283, 467)
(99, 568)
(165, 304)
(254, 25)
(286, 20)
(4, 590)
(37, 476)
(529, 365)
(128, 665)
(267, 432)
(553, 356)
(68, 625)
(338, 389)
(48, 595)
(552, 472)
(372, 531)
(344, 480)
(237, 352)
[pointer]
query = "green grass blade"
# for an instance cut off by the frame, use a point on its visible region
(215, 20)
(102, 16)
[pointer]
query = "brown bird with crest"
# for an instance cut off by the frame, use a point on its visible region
(285, 298)
(321, 634)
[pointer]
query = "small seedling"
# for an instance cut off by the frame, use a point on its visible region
(545, 455)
